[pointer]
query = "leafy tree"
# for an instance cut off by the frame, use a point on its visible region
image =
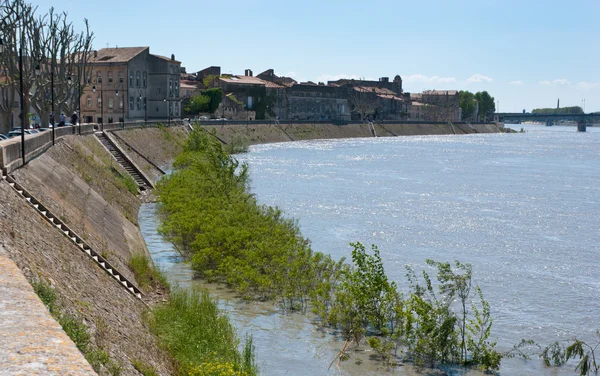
(574, 110)
(215, 95)
(557, 354)
(467, 104)
(487, 105)
(197, 104)
(207, 101)
(453, 283)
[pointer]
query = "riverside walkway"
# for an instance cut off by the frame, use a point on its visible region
(31, 341)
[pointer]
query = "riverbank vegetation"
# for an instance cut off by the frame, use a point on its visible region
(200, 337)
(252, 248)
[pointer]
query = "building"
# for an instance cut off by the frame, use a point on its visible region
(310, 101)
(437, 105)
(129, 84)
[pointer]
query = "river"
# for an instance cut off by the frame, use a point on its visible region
(523, 209)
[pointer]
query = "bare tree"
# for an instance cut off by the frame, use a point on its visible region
(363, 101)
(51, 47)
(444, 112)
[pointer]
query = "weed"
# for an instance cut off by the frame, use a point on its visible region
(197, 333)
(145, 274)
(144, 369)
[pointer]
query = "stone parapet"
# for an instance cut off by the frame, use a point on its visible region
(31, 341)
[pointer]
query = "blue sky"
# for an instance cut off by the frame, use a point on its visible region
(525, 53)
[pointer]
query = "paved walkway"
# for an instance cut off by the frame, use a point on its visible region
(31, 341)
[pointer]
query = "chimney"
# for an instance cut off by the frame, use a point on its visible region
(95, 54)
(384, 79)
(172, 56)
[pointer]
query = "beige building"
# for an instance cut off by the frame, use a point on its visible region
(129, 84)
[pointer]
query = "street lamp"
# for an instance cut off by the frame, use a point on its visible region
(168, 109)
(145, 111)
(117, 87)
(98, 81)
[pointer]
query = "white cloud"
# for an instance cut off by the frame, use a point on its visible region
(584, 85)
(479, 78)
(558, 81)
(428, 80)
(518, 82)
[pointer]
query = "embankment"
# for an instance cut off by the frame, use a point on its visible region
(255, 133)
(81, 183)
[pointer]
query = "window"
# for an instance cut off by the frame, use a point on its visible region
(138, 76)
(89, 102)
(110, 105)
(110, 78)
(121, 103)
(145, 79)
(139, 103)
(99, 77)
(131, 79)
(131, 103)
(170, 88)
(110, 118)
(120, 77)
(99, 102)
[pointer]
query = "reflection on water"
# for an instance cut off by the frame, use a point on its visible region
(522, 208)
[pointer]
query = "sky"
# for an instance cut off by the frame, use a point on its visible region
(527, 54)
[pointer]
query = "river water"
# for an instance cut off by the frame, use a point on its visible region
(523, 209)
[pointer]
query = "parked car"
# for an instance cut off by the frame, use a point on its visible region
(3, 137)
(16, 132)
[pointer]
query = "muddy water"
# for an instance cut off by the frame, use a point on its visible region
(522, 209)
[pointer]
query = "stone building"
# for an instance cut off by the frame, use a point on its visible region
(437, 105)
(310, 101)
(128, 84)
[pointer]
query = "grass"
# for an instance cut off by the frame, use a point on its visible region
(145, 274)
(143, 368)
(76, 329)
(200, 337)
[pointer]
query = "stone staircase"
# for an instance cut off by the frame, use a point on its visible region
(76, 239)
(141, 182)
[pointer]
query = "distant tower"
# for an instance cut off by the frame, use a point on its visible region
(558, 103)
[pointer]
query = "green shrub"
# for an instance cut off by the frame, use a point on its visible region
(196, 333)
(145, 274)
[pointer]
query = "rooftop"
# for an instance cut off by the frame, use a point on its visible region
(116, 55)
(242, 80)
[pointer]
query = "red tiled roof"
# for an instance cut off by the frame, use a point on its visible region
(116, 55)
(242, 80)
(273, 85)
(390, 96)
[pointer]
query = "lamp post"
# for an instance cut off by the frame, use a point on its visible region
(145, 110)
(117, 87)
(168, 102)
(98, 81)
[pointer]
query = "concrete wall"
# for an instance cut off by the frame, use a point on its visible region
(35, 144)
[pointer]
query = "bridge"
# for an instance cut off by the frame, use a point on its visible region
(582, 119)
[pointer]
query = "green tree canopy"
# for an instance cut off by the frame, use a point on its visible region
(467, 103)
(574, 110)
(487, 106)
(207, 101)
